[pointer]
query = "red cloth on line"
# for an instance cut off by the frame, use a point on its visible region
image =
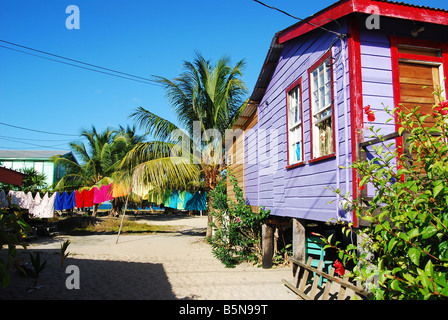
(84, 198)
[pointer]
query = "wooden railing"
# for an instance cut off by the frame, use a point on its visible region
(334, 287)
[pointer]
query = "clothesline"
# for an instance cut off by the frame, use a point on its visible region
(44, 207)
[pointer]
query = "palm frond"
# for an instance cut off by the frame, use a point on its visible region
(158, 127)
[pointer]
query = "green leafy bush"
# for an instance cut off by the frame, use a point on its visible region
(405, 247)
(13, 231)
(237, 236)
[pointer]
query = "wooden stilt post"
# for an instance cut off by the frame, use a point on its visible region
(298, 242)
(267, 246)
(122, 218)
(298, 239)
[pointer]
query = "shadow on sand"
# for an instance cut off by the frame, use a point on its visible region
(99, 280)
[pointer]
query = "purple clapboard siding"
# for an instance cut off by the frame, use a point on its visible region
(301, 192)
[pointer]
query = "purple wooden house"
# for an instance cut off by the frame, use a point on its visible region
(306, 114)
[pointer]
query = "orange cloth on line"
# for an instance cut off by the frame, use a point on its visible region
(119, 190)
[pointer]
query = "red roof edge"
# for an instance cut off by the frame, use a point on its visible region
(384, 8)
(9, 176)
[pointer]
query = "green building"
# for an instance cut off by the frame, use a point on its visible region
(36, 159)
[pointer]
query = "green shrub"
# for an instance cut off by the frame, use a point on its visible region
(405, 247)
(237, 236)
(13, 231)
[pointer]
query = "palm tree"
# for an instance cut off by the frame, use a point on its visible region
(99, 159)
(206, 95)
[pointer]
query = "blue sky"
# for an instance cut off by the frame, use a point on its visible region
(140, 37)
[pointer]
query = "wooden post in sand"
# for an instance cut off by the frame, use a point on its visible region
(122, 218)
(298, 239)
(267, 245)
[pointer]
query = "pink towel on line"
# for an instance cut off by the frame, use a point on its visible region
(104, 193)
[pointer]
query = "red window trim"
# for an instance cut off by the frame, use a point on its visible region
(314, 66)
(395, 56)
(328, 156)
(297, 83)
(295, 165)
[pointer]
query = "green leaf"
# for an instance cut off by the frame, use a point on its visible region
(428, 232)
(414, 255)
(413, 233)
(437, 189)
(396, 286)
(392, 244)
(429, 268)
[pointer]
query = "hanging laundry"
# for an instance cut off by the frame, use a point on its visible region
(39, 210)
(166, 198)
(120, 190)
(181, 200)
(59, 200)
(18, 198)
(46, 209)
(197, 203)
(34, 207)
(173, 199)
(203, 202)
(84, 198)
(78, 199)
(28, 200)
(188, 197)
(3, 199)
(69, 201)
(88, 199)
(104, 193)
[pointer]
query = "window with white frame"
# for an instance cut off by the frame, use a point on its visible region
(321, 109)
(295, 141)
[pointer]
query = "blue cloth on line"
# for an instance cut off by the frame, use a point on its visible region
(188, 197)
(64, 201)
(59, 200)
(173, 199)
(197, 202)
(69, 201)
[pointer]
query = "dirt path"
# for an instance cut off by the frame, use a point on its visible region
(174, 265)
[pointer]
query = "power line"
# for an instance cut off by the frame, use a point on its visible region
(110, 72)
(46, 132)
(26, 139)
(31, 149)
(34, 144)
(300, 19)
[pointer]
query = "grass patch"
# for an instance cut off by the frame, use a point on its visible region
(89, 225)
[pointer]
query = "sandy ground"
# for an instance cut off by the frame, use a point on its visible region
(174, 265)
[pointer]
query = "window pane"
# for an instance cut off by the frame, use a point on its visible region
(327, 84)
(327, 94)
(321, 104)
(294, 125)
(325, 138)
(298, 152)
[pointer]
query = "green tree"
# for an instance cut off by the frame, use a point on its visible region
(99, 158)
(204, 95)
(405, 247)
(32, 180)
